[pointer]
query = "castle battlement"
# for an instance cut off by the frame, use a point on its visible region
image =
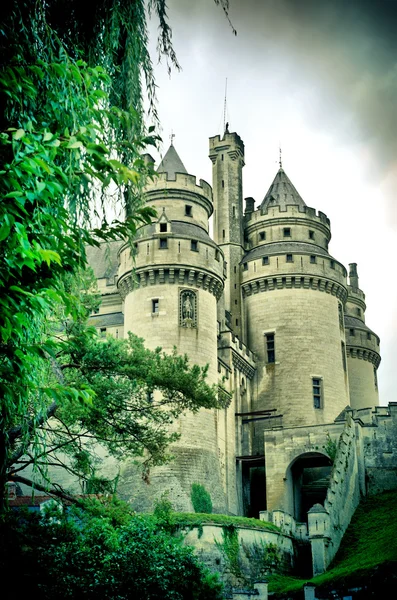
(180, 182)
(289, 210)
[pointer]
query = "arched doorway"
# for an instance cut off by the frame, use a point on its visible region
(308, 477)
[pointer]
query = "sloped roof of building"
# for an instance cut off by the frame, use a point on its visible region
(354, 323)
(283, 248)
(282, 192)
(103, 260)
(171, 163)
(106, 320)
(179, 228)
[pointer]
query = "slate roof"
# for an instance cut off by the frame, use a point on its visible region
(284, 248)
(103, 260)
(107, 320)
(171, 163)
(355, 323)
(179, 228)
(282, 192)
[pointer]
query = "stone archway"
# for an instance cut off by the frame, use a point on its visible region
(307, 481)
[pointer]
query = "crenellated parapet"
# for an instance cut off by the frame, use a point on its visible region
(269, 225)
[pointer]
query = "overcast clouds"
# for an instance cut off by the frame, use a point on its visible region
(320, 77)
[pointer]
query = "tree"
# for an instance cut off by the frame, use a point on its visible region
(93, 553)
(72, 80)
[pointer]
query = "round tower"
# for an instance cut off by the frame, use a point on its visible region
(170, 292)
(363, 356)
(293, 293)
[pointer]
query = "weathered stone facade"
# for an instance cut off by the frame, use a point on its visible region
(278, 321)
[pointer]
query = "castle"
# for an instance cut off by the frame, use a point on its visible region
(269, 309)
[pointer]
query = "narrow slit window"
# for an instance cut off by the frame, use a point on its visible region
(270, 348)
(155, 306)
(317, 392)
(342, 345)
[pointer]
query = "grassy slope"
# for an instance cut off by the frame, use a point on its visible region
(370, 541)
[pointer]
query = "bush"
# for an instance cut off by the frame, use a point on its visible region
(201, 499)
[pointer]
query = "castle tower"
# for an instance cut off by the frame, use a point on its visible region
(363, 356)
(227, 156)
(293, 293)
(171, 301)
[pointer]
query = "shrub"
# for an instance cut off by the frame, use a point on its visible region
(201, 499)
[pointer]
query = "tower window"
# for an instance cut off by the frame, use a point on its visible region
(235, 269)
(313, 259)
(222, 156)
(287, 231)
(217, 255)
(188, 210)
(234, 212)
(311, 235)
(340, 311)
(358, 311)
(245, 266)
(289, 258)
(317, 392)
(352, 332)
(236, 322)
(265, 260)
(342, 345)
(163, 227)
(163, 243)
(194, 245)
(375, 378)
(368, 336)
(149, 396)
(155, 306)
(223, 234)
(270, 348)
(332, 264)
(103, 331)
(262, 235)
(223, 183)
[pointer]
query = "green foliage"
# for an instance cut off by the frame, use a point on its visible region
(86, 556)
(331, 447)
(197, 519)
(163, 513)
(138, 393)
(201, 499)
(263, 559)
(230, 548)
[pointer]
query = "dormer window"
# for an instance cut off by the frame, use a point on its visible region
(188, 210)
(163, 227)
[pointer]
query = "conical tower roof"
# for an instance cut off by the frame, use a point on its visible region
(171, 163)
(282, 192)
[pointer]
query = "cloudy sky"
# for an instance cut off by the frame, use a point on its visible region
(318, 77)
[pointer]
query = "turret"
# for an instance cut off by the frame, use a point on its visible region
(227, 156)
(170, 289)
(293, 296)
(363, 356)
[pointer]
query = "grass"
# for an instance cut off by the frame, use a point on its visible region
(370, 543)
(198, 519)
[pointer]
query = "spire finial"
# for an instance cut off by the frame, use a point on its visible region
(172, 137)
(280, 162)
(225, 125)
